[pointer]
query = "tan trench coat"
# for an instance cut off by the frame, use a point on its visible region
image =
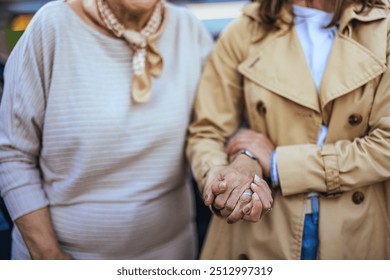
(270, 82)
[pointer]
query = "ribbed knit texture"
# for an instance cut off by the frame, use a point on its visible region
(112, 172)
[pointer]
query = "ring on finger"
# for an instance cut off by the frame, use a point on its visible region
(247, 192)
(268, 210)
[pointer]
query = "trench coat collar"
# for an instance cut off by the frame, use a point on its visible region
(279, 63)
(351, 13)
(351, 64)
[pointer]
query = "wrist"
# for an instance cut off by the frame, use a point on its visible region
(247, 153)
(242, 161)
(45, 252)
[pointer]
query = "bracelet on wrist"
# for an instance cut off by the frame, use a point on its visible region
(248, 154)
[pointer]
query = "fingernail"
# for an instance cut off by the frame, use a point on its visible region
(256, 196)
(254, 185)
(257, 179)
(246, 210)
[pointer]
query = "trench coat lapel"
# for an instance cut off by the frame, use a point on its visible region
(350, 64)
(280, 66)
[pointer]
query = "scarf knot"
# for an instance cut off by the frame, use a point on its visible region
(146, 58)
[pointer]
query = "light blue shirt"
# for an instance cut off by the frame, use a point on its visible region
(316, 42)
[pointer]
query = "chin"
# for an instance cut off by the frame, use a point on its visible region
(139, 5)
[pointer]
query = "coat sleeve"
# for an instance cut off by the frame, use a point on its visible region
(343, 165)
(22, 114)
(218, 105)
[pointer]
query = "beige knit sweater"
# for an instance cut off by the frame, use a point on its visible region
(112, 172)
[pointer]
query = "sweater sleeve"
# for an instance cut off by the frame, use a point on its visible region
(22, 115)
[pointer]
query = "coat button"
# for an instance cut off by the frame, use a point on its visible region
(260, 107)
(358, 197)
(355, 119)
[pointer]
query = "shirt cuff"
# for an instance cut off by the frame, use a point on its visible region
(274, 171)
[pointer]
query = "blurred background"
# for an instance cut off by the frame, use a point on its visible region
(15, 16)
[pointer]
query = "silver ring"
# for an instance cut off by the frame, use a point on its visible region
(268, 210)
(247, 192)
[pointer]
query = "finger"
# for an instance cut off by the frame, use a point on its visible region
(262, 189)
(246, 210)
(237, 213)
(208, 196)
(267, 189)
(243, 206)
(266, 205)
(225, 213)
(221, 199)
(214, 177)
(232, 181)
(264, 195)
(237, 195)
(219, 187)
(256, 210)
(216, 187)
(257, 179)
(261, 183)
(214, 210)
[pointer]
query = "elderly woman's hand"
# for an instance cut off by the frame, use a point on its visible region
(258, 143)
(226, 190)
(252, 207)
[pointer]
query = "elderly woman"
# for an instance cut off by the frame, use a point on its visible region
(97, 99)
(312, 79)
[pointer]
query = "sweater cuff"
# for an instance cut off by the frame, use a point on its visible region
(24, 200)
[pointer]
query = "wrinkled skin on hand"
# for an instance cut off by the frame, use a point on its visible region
(259, 144)
(225, 187)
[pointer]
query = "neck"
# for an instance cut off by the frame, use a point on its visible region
(130, 20)
(323, 5)
(77, 7)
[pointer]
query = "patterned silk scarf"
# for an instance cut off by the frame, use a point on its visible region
(147, 60)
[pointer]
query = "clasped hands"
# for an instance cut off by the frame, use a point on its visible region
(237, 191)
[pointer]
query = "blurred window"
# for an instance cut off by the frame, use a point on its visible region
(19, 23)
(215, 14)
